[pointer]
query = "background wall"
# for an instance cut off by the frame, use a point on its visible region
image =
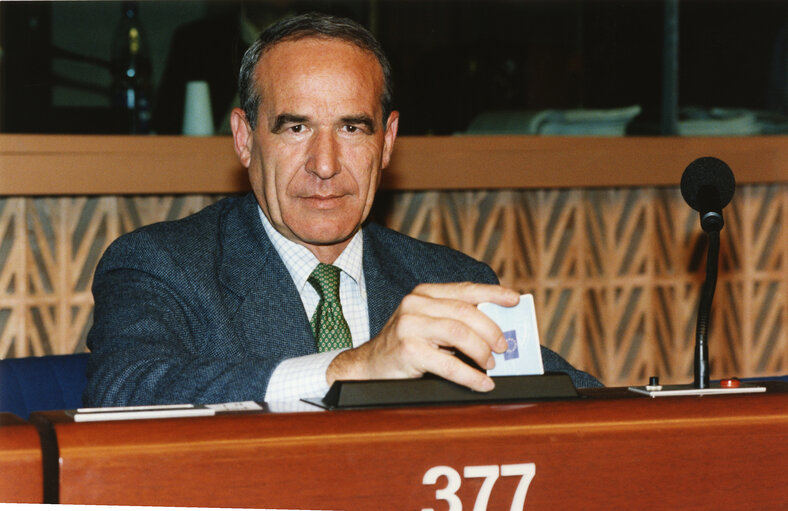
(453, 59)
(72, 20)
(616, 273)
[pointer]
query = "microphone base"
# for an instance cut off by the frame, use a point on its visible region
(691, 390)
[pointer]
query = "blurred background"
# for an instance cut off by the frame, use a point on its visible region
(460, 65)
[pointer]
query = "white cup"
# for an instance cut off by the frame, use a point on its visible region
(197, 116)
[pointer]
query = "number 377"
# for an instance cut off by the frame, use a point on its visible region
(489, 473)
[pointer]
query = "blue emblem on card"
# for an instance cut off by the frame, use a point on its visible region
(511, 341)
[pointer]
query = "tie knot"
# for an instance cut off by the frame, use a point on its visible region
(325, 280)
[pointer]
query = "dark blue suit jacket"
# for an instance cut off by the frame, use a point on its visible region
(202, 310)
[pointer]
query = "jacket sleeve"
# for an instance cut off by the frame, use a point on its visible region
(153, 340)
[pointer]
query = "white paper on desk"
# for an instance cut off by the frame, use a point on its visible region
(235, 406)
(134, 413)
(524, 355)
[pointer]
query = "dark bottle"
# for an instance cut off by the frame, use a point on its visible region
(131, 72)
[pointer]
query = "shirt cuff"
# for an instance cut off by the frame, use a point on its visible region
(300, 377)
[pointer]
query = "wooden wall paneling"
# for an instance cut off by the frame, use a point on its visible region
(733, 289)
(758, 288)
(767, 325)
(619, 276)
(411, 213)
(616, 273)
(559, 273)
(676, 286)
(484, 225)
(13, 249)
(66, 238)
(136, 211)
(44, 270)
(775, 360)
(517, 249)
(49, 251)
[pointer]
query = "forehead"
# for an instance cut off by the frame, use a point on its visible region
(317, 67)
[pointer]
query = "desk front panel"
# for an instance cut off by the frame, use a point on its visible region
(608, 451)
(21, 472)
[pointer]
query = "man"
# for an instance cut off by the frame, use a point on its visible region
(226, 305)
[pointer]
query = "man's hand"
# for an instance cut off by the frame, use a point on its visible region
(429, 324)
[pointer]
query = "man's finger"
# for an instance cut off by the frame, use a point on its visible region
(452, 334)
(447, 366)
(470, 292)
(462, 312)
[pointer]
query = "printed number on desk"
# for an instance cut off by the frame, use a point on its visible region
(489, 473)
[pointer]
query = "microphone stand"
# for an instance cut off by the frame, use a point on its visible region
(704, 312)
(707, 185)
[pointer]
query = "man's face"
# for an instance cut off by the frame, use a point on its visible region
(317, 152)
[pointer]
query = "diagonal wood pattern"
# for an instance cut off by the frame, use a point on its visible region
(616, 273)
(49, 248)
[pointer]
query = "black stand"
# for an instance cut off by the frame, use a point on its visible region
(704, 313)
(434, 390)
(707, 185)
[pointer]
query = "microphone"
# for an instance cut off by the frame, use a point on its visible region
(707, 185)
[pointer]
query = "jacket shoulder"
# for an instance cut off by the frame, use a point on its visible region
(187, 239)
(425, 261)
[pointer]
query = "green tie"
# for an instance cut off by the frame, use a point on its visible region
(328, 324)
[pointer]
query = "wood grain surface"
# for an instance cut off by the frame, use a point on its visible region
(611, 450)
(46, 165)
(21, 476)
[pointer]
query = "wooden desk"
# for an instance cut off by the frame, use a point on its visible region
(21, 475)
(612, 450)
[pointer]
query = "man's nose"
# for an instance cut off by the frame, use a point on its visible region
(323, 158)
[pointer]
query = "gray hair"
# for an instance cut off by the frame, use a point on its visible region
(300, 27)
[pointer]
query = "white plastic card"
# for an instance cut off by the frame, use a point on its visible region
(523, 356)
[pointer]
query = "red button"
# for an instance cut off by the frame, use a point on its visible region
(730, 383)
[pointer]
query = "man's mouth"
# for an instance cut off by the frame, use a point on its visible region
(324, 201)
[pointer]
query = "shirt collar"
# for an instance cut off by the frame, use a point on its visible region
(300, 262)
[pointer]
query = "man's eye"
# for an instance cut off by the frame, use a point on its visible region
(298, 128)
(350, 128)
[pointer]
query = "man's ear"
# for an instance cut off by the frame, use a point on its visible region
(242, 136)
(388, 137)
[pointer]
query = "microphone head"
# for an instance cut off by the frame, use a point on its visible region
(707, 172)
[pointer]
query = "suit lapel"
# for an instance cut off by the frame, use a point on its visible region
(387, 280)
(269, 317)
